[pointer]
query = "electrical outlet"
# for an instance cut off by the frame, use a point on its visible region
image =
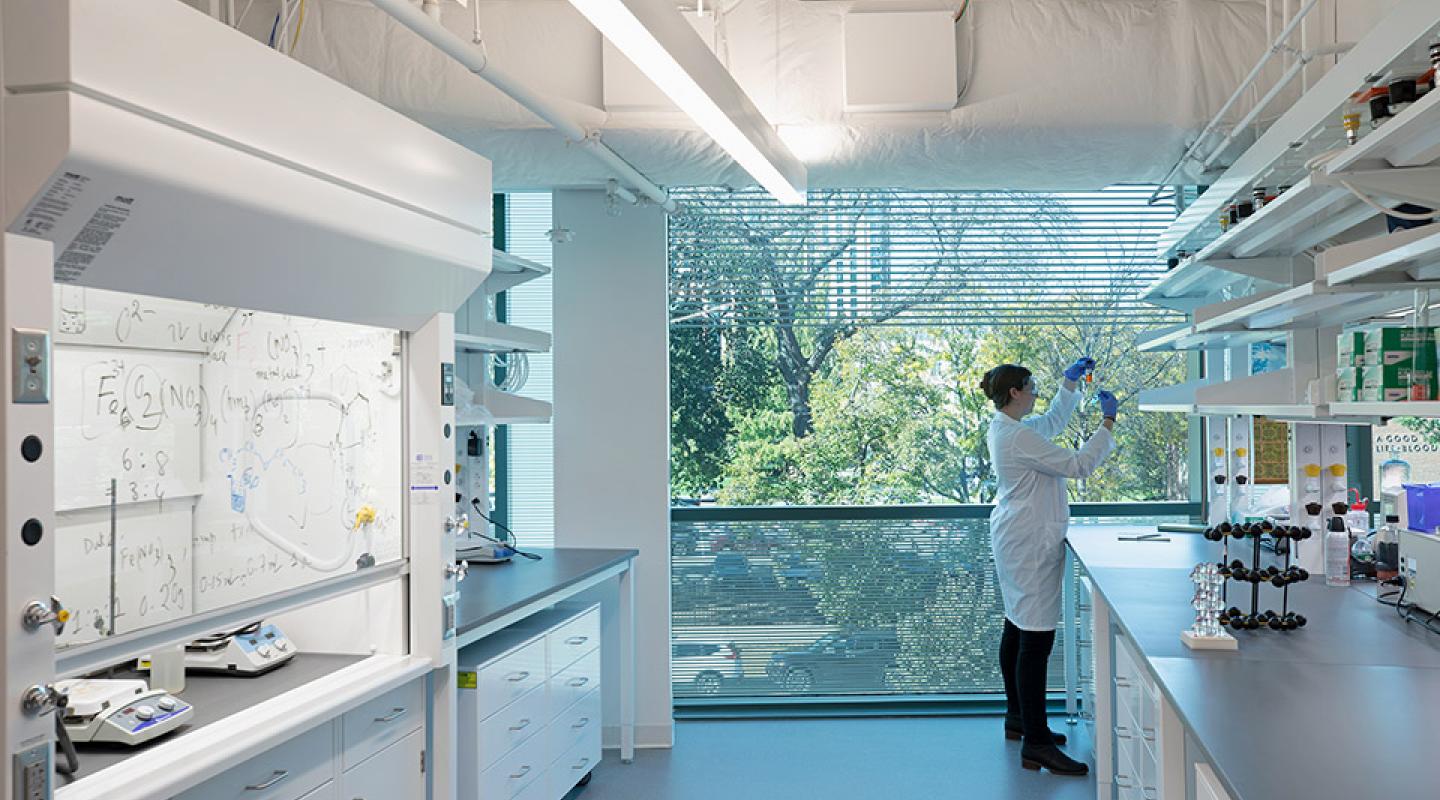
(32, 773)
(30, 360)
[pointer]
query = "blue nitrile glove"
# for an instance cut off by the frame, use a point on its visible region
(1076, 371)
(1109, 404)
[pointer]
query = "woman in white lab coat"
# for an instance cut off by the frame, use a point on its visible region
(1027, 534)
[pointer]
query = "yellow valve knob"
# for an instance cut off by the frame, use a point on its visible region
(1241, 452)
(1219, 451)
(1312, 470)
(365, 515)
(1338, 470)
(63, 616)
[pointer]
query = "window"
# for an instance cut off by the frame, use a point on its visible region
(829, 464)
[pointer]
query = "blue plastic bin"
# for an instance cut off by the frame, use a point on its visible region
(1422, 504)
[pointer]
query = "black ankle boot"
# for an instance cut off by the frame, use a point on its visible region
(1050, 757)
(1015, 732)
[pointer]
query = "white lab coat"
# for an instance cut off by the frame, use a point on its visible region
(1031, 516)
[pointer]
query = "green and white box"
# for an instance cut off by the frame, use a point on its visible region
(1350, 349)
(1393, 346)
(1392, 383)
(1348, 382)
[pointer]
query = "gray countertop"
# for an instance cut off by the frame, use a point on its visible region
(493, 590)
(215, 697)
(1333, 694)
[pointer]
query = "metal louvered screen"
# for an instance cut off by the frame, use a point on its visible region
(532, 448)
(897, 257)
(847, 602)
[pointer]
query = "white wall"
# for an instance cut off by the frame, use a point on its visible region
(612, 418)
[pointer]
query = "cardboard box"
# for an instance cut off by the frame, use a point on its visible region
(1350, 349)
(1394, 346)
(1388, 383)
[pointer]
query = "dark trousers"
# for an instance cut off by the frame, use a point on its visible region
(1024, 659)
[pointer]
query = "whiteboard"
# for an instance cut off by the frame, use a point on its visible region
(116, 319)
(277, 454)
(153, 575)
(130, 415)
(209, 420)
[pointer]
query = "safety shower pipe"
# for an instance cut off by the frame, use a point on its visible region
(474, 60)
(1301, 62)
(1276, 46)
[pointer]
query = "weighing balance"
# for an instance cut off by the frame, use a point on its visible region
(125, 712)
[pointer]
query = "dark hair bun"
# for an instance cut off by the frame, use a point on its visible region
(999, 382)
(985, 383)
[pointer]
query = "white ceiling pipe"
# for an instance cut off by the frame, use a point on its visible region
(475, 61)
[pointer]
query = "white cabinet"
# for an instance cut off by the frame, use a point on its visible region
(375, 751)
(396, 772)
(530, 707)
(287, 772)
(1207, 786)
(379, 723)
(1145, 740)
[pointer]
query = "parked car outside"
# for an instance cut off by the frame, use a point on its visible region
(704, 667)
(856, 661)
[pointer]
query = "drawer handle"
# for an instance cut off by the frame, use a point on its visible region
(584, 762)
(577, 682)
(522, 773)
(582, 723)
(280, 775)
(577, 640)
(1148, 733)
(1150, 793)
(1122, 732)
(392, 716)
(524, 723)
(516, 677)
(1122, 683)
(1123, 781)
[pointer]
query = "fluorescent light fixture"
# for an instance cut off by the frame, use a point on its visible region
(662, 45)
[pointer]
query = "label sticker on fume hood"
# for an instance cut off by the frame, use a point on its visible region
(424, 480)
(91, 240)
(45, 213)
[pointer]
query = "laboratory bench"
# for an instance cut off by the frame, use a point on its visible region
(214, 697)
(1337, 709)
(496, 598)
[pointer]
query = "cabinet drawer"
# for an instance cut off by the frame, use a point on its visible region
(574, 724)
(391, 774)
(287, 772)
(515, 771)
(576, 681)
(539, 790)
(575, 763)
(512, 725)
(380, 722)
(327, 792)
(573, 639)
(510, 677)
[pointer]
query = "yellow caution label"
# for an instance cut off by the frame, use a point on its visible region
(468, 680)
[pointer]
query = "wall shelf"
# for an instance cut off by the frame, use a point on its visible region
(1316, 304)
(1188, 285)
(1388, 410)
(508, 271)
(1410, 254)
(1411, 139)
(497, 337)
(1398, 42)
